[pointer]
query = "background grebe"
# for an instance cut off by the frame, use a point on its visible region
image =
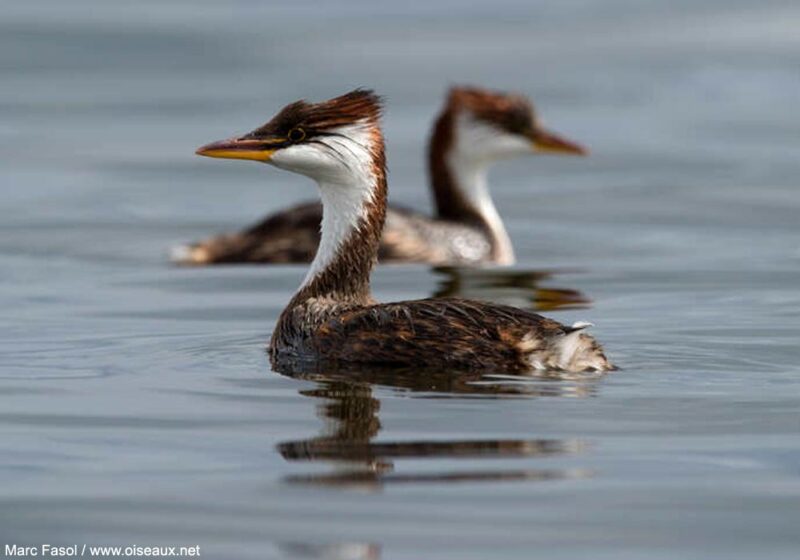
(475, 128)
(333, 317)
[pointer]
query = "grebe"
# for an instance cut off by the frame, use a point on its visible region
(332, 318)
(475, 129)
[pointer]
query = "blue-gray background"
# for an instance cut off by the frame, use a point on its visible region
(137, 405)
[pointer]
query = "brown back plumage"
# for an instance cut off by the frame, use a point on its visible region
(449, 333)
(442, 332)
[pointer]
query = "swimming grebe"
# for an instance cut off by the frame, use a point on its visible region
(333, 318)
(475, 129)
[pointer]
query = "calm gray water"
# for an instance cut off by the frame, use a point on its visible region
(137, 405)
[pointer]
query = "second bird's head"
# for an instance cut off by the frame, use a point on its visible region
(483, 126)
(331, 141)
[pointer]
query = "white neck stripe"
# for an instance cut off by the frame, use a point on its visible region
(344, 198)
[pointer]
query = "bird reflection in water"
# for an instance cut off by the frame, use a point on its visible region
(352, 421)
(520, 288)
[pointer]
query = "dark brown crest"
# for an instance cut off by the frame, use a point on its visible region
(510, 111)
(360, 105)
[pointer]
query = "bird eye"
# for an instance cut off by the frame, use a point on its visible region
(297, 134)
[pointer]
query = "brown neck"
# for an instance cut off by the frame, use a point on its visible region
(448, 197)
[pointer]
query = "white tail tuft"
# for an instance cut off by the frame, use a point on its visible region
(569, 347)
(578, 351)
(188, 254)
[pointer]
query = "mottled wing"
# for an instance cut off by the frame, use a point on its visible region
(307, 215)
(290, 236)
(412, 237)
(437, 333)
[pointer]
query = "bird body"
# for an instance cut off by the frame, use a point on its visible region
(447, 333)
(333, 318)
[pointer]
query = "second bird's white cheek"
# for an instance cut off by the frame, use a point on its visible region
(506, 146)
(480, 141)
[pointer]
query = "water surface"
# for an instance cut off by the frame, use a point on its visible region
(137, 405)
